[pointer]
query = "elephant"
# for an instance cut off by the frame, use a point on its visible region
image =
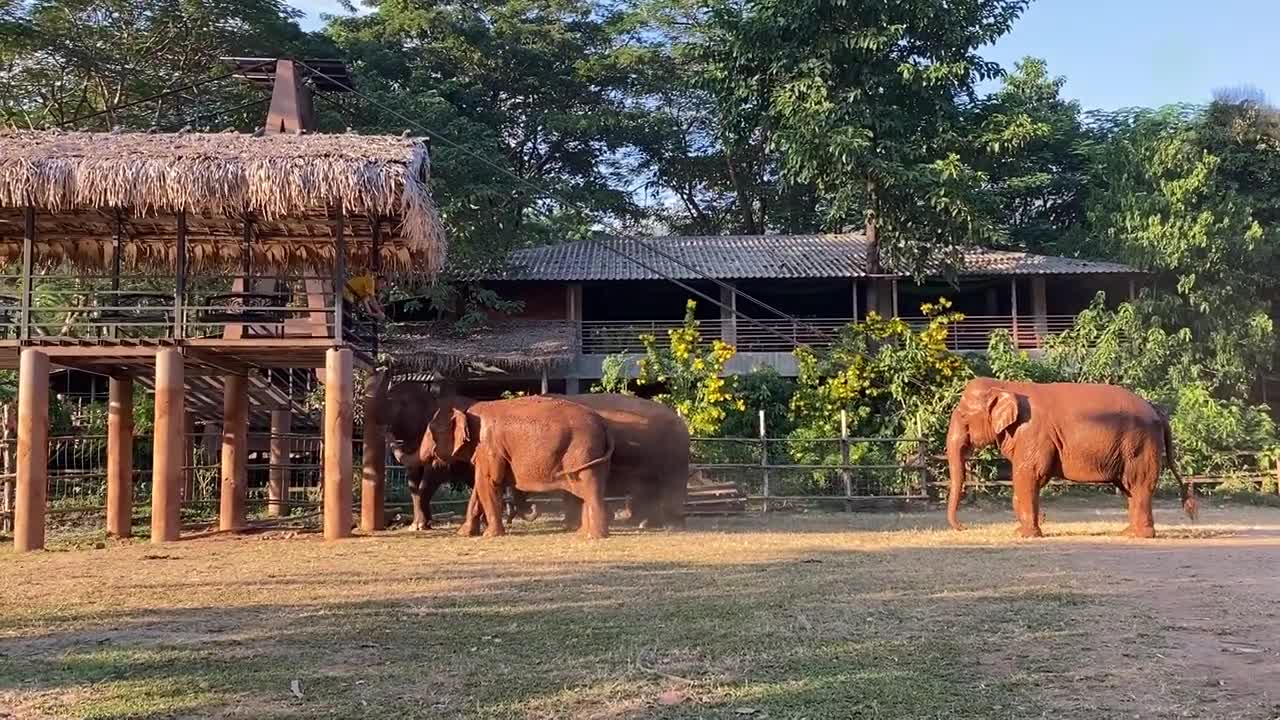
(651, 462)
(1081, 432)
(402, 414)
(535, 444)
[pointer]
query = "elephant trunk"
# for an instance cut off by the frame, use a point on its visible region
(957, 452)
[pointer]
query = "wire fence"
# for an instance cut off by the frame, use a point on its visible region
(762, 473)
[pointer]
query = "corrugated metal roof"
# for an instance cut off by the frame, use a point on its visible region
(755, 256)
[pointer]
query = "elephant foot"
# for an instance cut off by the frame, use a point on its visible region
(468, 530)
(1031, 532)
(420, 525)
(1146, 533)
(592, 535)
(493, 531)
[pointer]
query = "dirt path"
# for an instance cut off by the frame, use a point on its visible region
(1216, 604)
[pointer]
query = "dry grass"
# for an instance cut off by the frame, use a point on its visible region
(796, 616)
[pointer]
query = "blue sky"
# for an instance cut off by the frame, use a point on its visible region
(1117, 53)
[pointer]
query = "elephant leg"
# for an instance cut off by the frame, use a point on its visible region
(1026, 503)
(488, 490)
(595, 520)
(1141, 521)
(472, 516)
(572, 511)
(421, 506)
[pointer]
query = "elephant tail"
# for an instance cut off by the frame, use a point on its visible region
(1189, 504)
(608, 454)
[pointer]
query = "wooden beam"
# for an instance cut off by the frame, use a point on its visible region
(166, 463)
(337, 444)
(28, 276)
(235, 454)
(373, 477)
(120, 457)
(290, 110)
(277, 473)
(33, 451)
(180, 280)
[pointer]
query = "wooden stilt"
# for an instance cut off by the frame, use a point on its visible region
(120, 458)
(166, 463)
(278, 474)
(337, 444)
(373, 482)
(235, 453)
(33, 451)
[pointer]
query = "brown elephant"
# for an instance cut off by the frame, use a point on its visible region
(534, 444)
(650, 458)
(1086, 433)
(405, 413)
(650, 465)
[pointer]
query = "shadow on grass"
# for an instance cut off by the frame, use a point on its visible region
(895, 633)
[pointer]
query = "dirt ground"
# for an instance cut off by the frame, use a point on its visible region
(863, 615)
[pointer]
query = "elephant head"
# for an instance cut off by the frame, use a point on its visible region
(450, 436)
(985, 412)
(404, 411)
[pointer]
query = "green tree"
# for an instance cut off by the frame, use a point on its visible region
(65, 59)
(862, 102)
(1163, 201)
(1031, 146)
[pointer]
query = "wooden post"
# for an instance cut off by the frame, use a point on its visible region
(291, 108)
(854, 317)
(8, 425)
(545, 388)
(374, 471)
(180, 280)
(235, 453)
(728, 314)
(1013, 300)
(1133, 290)
(120, 457)
(337, 444)
(1040, 307)
(167, 463)
(893, 288)
(764, 462)
(33, 451)
(339, 275)
(846, 473)
(278, 473)
(28, 276)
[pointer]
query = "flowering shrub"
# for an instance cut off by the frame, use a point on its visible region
(690, 372)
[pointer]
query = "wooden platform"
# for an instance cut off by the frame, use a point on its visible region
(203, 356)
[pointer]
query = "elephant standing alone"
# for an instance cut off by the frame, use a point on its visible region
(1082, 432)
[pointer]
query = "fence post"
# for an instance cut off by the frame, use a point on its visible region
(7, 416)
(845, 473)
(923, 456)
(764, 461)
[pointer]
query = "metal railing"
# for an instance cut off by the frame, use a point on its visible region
(607, 337)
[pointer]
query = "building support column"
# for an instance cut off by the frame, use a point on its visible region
(235, 454)
(166, 463)
(337, 444)
(373, 486)
(33, 451)
(120, 457)
(573, 313)
(278, 473)
(882, 297)
(1040, 306)
(1013, 310)
(728, 314)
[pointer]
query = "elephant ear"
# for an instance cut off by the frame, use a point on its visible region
(1004, 411)
(461, 431)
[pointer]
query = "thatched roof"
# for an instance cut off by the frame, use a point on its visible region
(502, 346)
(290, 188)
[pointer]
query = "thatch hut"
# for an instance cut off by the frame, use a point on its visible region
(187, 215)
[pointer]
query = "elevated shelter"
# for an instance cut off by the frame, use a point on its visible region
(160, 257)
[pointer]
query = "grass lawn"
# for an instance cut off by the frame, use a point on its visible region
(790, 616)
